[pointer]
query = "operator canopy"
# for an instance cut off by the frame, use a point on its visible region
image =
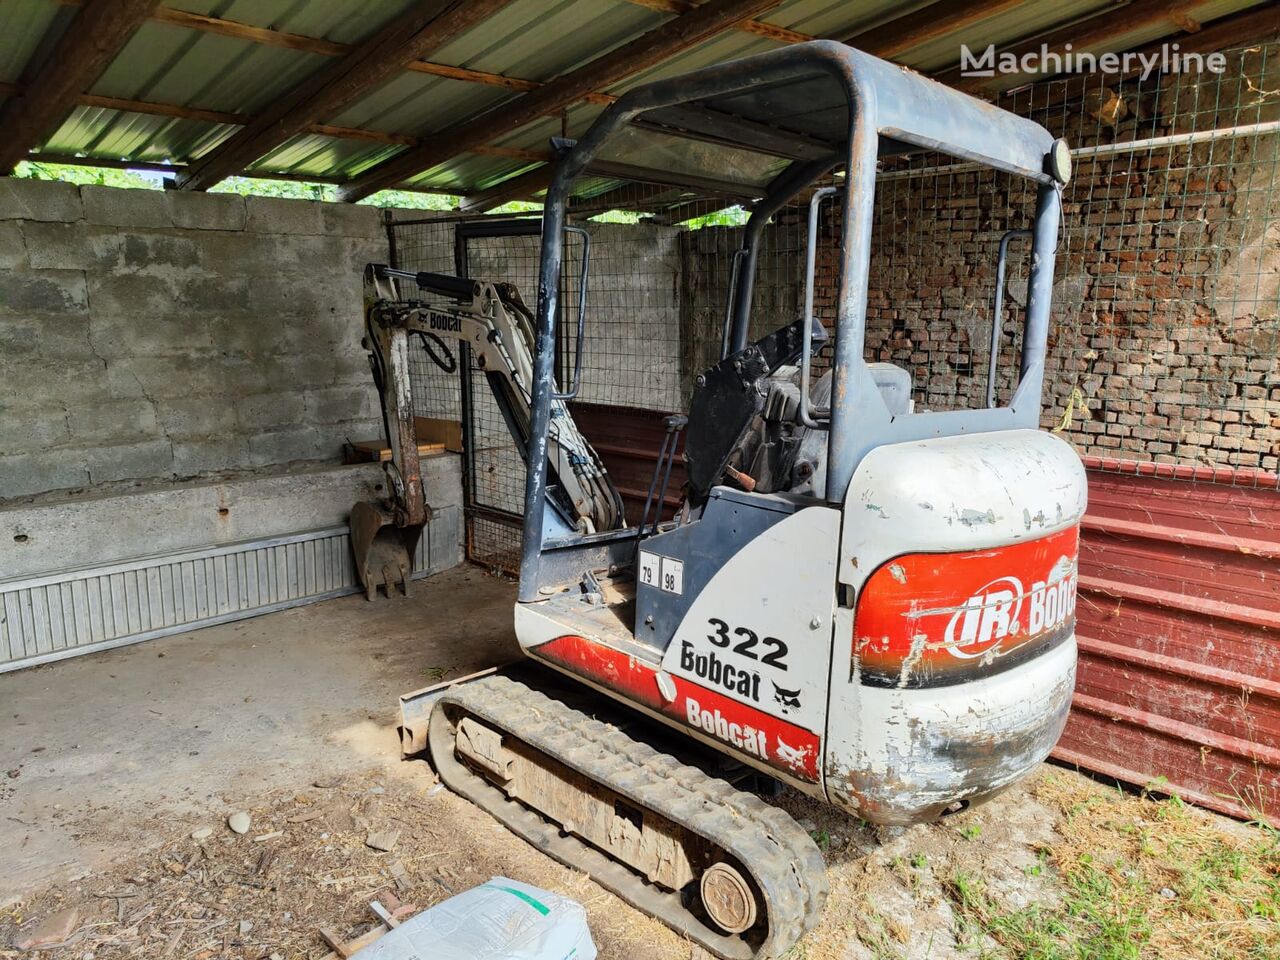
(795, 104)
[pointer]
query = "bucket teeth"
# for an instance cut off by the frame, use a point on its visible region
(383, 550)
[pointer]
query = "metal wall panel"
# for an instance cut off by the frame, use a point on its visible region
(628, 441)
(1179, 628)
(59, 615)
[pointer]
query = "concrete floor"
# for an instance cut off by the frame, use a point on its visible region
(99, 751)
(109, 762)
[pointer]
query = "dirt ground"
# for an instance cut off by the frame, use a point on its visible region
(120, 758)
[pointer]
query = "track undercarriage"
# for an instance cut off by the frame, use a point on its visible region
(718, 865)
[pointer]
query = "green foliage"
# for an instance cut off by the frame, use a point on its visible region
(94, 176)
(733, 216)
(518, 206)
(245, 186)
(618, 216)
(1097, 921)
(285, 189)
(411, 200)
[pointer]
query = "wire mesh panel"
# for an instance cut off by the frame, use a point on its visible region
(935, 252)
(631, 349)
(1171, 264)
(709, 274)
(429, 245)
(496, 470)
(1166, 324)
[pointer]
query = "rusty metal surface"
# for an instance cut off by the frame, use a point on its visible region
(628, 440)
(1178, 622)
(532, 40)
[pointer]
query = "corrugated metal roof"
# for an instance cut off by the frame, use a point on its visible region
(534, 40)
(115, 135)
(26, 23)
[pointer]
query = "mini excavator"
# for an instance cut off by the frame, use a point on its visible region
(868, 602)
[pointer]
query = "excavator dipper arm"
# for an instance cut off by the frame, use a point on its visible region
(493, 320)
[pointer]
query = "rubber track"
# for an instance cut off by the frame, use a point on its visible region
(780, 856)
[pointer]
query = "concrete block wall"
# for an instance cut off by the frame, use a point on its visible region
(148, 335)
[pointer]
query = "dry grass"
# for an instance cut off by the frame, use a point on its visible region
(1061, 869)
(1141, 878)
(190, 900)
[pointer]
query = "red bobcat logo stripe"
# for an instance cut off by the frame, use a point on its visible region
(784, 746)
(935, 619)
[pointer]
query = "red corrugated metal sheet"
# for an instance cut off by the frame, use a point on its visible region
(628, 440)
(1179, 628)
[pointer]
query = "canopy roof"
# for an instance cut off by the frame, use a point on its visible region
(463, 97)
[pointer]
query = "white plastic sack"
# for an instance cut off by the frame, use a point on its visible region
(500, 920)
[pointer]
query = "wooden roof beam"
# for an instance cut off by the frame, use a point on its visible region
(759, 28)
(236, 29)
(93, 38)
(1091, 33)
(1227, 31)
(938, 19)
(240, 119)
(424, 27)
(520, 187)
(674, 36)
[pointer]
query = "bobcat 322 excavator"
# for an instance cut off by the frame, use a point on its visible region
(870, 603)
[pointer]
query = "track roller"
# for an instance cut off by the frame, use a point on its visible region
(720, 866)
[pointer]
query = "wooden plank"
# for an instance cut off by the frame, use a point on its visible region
(423, 28)
(685, 31)
(375, 451)
(938, 19)
(437, 430)
(93, 38)
(334, 943)
(349, 948)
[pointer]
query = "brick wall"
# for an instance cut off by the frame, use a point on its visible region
(149, 335)
(1166, 326)
(707, 263)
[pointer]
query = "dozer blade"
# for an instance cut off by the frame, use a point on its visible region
(383, 551)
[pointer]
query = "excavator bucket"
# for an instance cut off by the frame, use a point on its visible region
(383, 551)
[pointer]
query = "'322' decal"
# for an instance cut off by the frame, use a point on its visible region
(745, 641)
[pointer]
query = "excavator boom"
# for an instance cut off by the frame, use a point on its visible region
(492, 319)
